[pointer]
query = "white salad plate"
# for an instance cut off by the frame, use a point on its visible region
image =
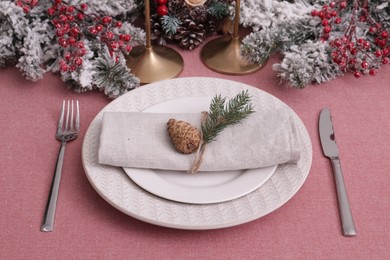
(123, 193)
(202, 187)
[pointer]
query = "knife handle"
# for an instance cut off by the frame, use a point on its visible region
(345, 210)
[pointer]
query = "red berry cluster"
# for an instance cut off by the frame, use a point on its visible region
(104, 30)
(357, 55)
(66, 19)
(27, 5)
(162, 8)
(73, 25)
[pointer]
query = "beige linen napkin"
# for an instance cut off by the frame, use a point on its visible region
(140, 140)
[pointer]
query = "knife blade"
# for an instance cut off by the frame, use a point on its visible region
(330, 150)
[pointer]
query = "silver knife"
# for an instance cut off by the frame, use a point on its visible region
(330, 150)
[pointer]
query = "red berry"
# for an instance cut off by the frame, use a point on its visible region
(63, 9)
(332, 4)
(81, 52)
(343, 5)
(74, 31)
(51, 11)
(84, 6)
(314, 12)
(327, 29)
(337, 20)
(60, 33)
(127, 38)
(70, 18)
(67, 56)
(321, 15)
(72, 68)
(373, 29)
(70, 9)
(354, 51)
(382, 43)
(71, 41)
(357, 74)
(325, 22)
(385, 60)
(162, 10)
(372, 72)
(114, 46)
(118, 24)
(58, 1)
(378, 53)
(128, 48)
(78, 61)
(364, 64)
(92, 30)
(80, 45)
(106, 20)
(80, 16)
(110, 35)
(63, 42)
(384, 34)
(64, 68)
(99, 27)
(161, 2)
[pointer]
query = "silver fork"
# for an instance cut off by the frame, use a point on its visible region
(67, 130)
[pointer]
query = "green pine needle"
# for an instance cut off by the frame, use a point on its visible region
(222, 115)
(170, 24)
(218, 10)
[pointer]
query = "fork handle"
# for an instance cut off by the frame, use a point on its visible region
(50, 211)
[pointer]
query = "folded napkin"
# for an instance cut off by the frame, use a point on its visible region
(140, 140)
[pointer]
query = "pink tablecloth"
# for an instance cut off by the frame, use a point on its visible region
(87, 227)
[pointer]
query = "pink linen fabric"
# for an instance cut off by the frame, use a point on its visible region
(87, 227)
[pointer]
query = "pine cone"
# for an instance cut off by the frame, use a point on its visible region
(199, 14)
(178, 8)
(184, 136)
(190, 34)
(157, 32)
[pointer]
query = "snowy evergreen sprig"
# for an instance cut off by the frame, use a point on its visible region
(306, 64)
(114, 78)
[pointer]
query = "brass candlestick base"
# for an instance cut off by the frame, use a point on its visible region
(151, 64)
(223, 56)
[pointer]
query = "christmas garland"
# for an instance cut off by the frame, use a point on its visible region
(85, 43)
(319, 40)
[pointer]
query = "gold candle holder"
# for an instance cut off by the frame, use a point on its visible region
(153, 63)
(223, 54)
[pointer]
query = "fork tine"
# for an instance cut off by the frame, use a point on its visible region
(67, 117)
(71, 118)
(61, 121)
(77, 116)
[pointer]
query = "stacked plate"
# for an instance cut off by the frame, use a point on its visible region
(198, 201)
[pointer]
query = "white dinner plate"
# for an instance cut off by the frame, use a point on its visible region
(121, 192)
(202, 187)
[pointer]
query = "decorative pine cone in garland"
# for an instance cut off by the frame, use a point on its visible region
(190, 34)
(157, 32)
(178, 8)
(199, 14)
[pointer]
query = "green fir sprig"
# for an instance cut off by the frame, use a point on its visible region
(222, 115)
